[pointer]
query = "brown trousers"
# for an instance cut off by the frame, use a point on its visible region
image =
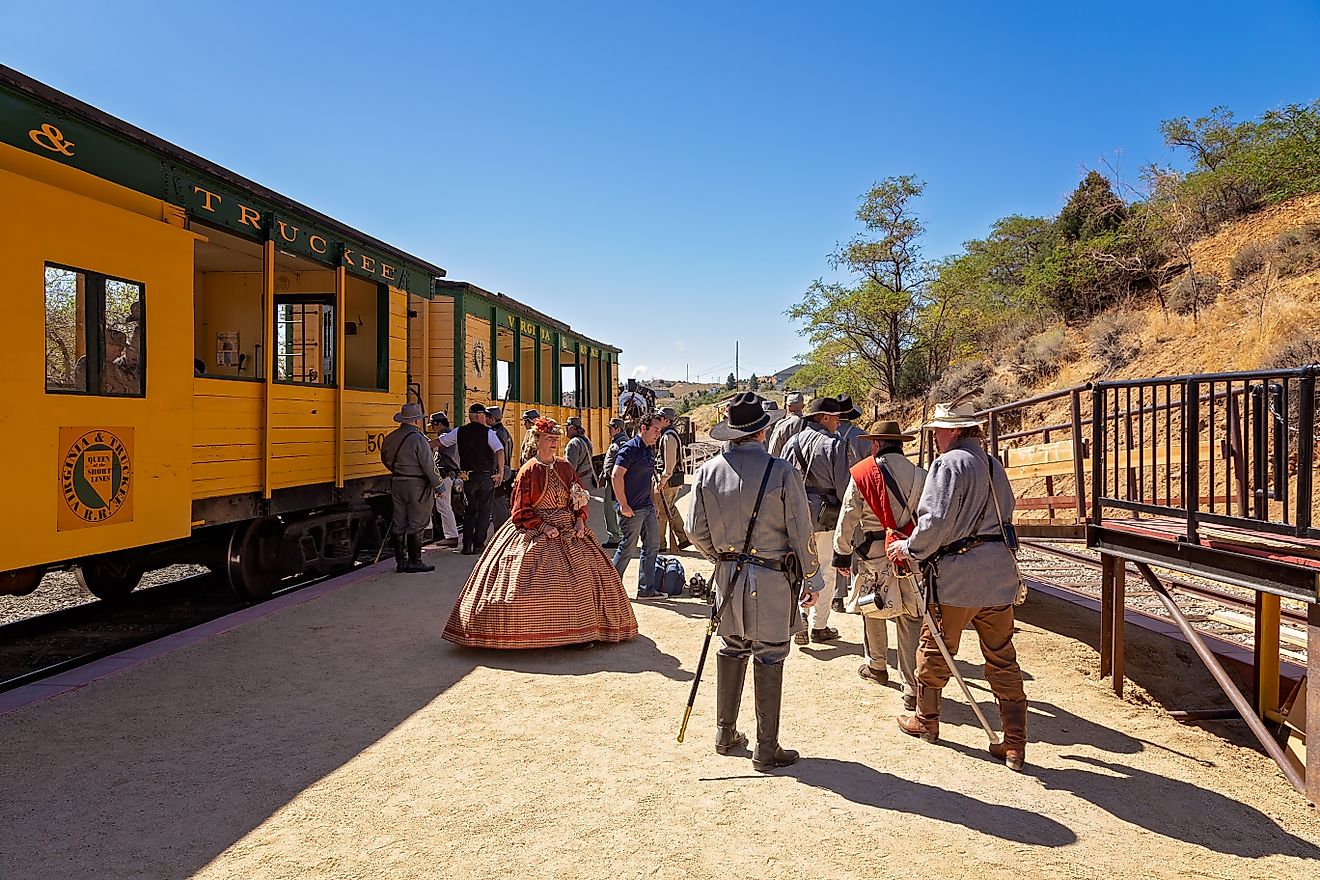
(666, 513)
(994, 627)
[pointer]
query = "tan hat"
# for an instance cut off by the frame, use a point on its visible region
(795, 399)
(888, 431)
(961, 415)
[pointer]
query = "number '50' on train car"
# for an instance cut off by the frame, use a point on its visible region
(199, 366)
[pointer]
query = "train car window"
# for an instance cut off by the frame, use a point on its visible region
(367, 335)
(95, 334)
(305, 339)
(504, 359)
(228, 306)
(568, 378)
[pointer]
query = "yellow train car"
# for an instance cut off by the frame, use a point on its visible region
(509, 355)
(203, 369)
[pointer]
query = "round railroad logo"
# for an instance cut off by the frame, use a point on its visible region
(96, 476)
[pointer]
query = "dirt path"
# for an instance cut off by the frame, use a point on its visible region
(342, 738)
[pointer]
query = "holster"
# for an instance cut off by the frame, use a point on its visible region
(793, 571)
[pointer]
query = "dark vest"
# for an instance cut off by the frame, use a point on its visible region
(474, 452)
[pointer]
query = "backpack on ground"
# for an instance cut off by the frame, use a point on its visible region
(670, 578)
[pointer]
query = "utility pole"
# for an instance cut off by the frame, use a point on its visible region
(737, 376)
(687, 374)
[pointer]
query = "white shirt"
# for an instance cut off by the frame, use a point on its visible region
(449, 438)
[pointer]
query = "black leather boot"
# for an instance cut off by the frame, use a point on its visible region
(768, 682)
(414, 563)
(730, 673)
(400, 553)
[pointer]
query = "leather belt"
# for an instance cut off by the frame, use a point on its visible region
(963, 545)
(763, 562)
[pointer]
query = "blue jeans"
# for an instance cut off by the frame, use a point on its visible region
(643, 523)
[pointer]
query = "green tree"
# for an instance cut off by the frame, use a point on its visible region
(876, 317)
(753, 384)
(731, 382)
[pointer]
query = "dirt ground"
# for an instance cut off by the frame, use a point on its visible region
(343, 739)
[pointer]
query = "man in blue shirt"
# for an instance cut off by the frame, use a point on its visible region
(634, 469)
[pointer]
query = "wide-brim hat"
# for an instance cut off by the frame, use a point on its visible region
(544, 427)
(667, 412)
(530, 415)
(888, 431)
(824, 406)
(746, 416)
(411, 412)
(797, 398)
(962, 415)
(850, 409)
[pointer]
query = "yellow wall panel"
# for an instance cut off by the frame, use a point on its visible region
(39, 224)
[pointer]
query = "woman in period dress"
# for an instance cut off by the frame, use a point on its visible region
(543, 580)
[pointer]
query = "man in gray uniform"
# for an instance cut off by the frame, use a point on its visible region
(971, 574)
(820, 456)
(857, 449)
(413, 483)
(762, 606)
(579, 452)
(790, 426)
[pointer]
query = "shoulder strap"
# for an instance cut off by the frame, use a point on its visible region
(756, 508)
(891, 485)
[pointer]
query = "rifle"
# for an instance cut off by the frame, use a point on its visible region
(717, 608)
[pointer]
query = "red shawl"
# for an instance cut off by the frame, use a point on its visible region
(529, 486)
(871, 483)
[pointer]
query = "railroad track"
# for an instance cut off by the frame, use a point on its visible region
(1224, 611)
(45, 645)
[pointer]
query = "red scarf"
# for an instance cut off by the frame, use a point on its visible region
(871, 483)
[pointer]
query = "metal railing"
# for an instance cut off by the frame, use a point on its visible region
(1197, 447)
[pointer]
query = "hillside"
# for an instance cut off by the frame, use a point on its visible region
(1251, 323)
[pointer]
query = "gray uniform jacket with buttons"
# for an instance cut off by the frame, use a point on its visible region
(789, 426)
(956, 503)
(851, 435)
(407, 453)
(761, 606)
(822, 459)
(578, 454)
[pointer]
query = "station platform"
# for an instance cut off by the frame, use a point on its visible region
(336, 735)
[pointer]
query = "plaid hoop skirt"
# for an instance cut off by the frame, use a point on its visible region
(530, 591)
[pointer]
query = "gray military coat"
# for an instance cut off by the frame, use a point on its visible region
(407, 453)
(761, 605)
(578, 454)
(956, 503)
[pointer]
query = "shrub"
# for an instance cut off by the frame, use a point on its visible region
(1193, 292)
(1297, 250)
(996, 392)
(1113, 339)
(1298, 350)
(961, 378)
(1249, 260)
(1036, 359)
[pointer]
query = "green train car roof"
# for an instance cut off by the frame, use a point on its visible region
(39, 119)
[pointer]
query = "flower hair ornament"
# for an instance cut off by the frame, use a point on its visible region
(543, 427)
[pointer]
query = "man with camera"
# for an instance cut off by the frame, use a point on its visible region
(822, 459)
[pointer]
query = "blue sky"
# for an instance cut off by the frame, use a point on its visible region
(667, 177)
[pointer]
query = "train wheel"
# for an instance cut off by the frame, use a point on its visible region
(108, 578)
(20, 582)
(253, 562)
